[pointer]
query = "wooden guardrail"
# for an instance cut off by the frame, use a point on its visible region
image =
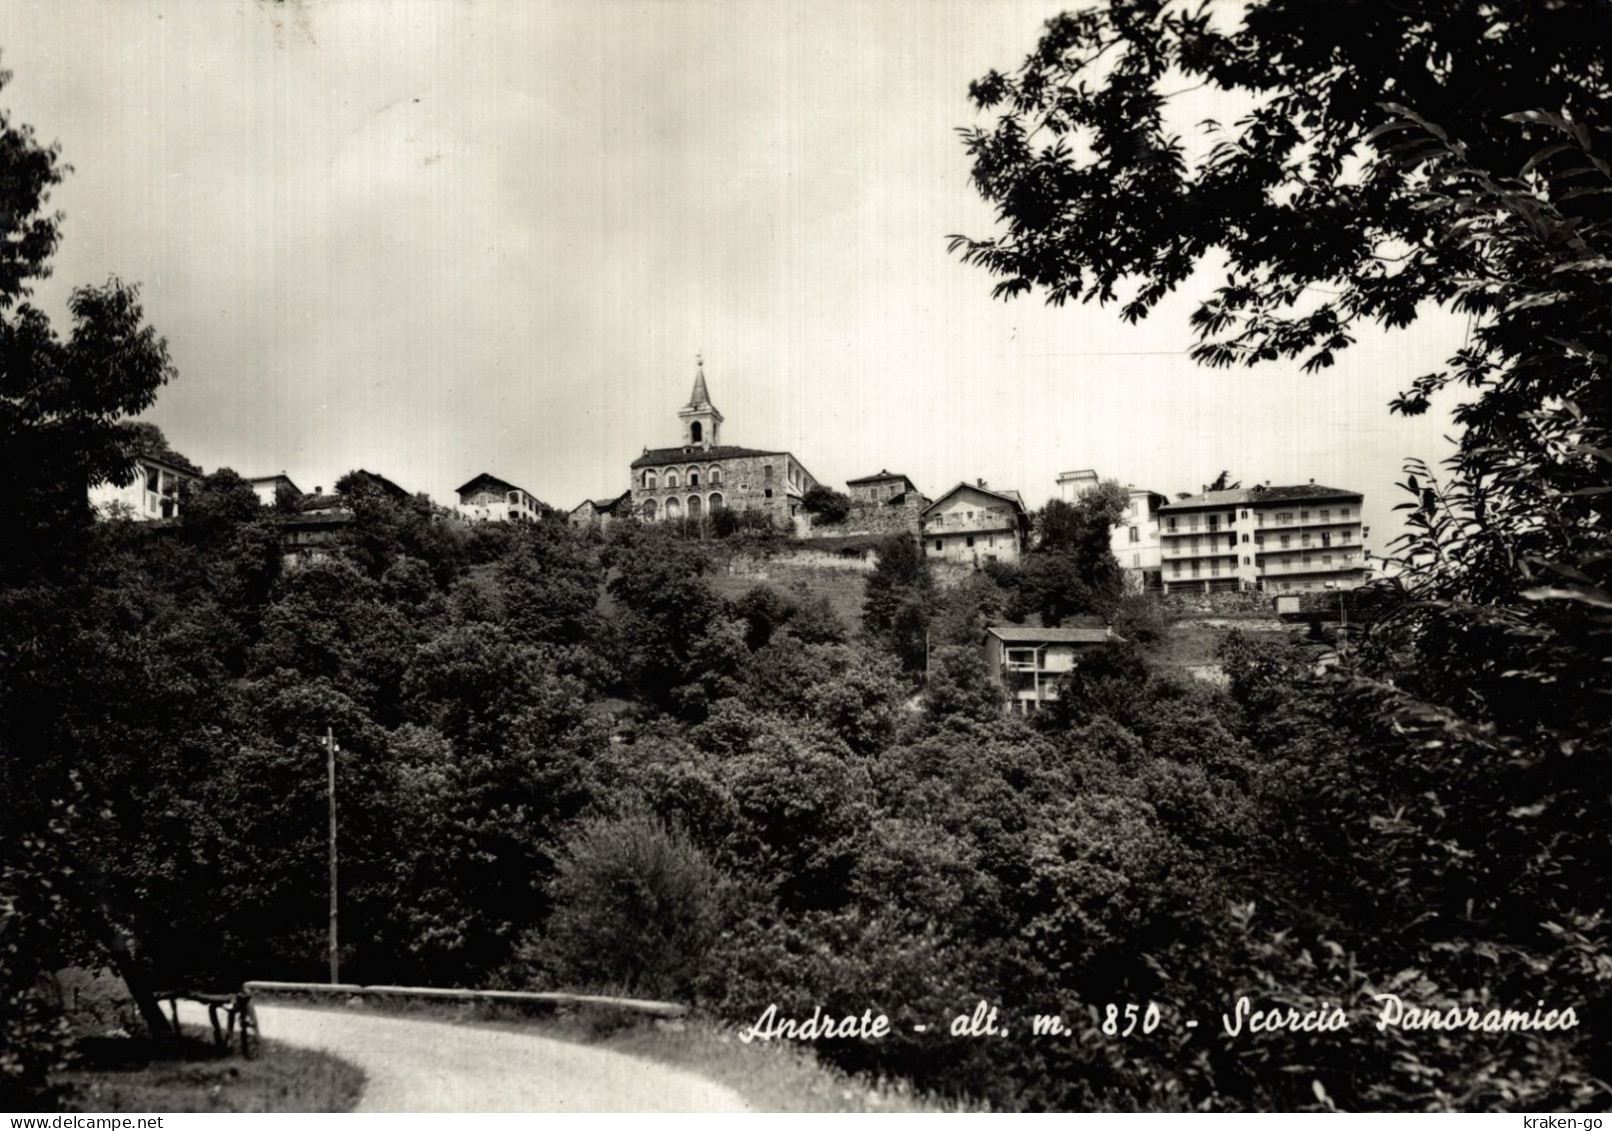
(636, 1005)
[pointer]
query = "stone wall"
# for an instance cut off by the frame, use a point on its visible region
(1250, 601)
(872, 518)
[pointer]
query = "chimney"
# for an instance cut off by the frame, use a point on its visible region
(1312, 481)
(979, 483)
(318, 490)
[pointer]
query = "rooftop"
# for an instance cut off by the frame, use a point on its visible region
(880, 478)
(693, 453)
(487, 480)
(1022, 634)
(1006, 496)
(1259, 494)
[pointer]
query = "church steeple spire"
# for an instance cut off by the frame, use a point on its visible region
(701, 420)
(700, 397)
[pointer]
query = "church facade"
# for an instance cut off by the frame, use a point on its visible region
(702, 475)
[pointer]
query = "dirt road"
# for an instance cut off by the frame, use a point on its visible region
(435, 1066)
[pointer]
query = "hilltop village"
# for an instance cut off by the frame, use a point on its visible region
(1268, 538)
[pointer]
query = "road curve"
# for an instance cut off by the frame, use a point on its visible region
(434, 1066)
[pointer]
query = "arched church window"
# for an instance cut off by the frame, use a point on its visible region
(649, 480)
(716, 477)
(693, 479)
(671, 479)
(694, 430)
(716, 502)
(694, 506)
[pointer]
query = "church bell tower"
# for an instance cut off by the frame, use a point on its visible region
(701, 420)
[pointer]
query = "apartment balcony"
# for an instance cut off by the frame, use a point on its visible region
(1314, 522)
(1338, 564)
(1313, 547)
(1187, 530)
(1186, 552)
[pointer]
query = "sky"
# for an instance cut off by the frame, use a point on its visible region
(438, 239)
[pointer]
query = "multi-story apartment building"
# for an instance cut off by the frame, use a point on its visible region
(1135, 539)
(1278, 539)
(972, 525)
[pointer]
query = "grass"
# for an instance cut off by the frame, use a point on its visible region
(771, 1076)
(127, 1074)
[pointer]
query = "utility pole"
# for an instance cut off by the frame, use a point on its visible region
(329, 743)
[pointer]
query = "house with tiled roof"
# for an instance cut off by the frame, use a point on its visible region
(1027, 662)
(270, 488)
(487, 498)
(601, 512)
(972, 524)
(1288, 539)
(702, 476)
(152, 492)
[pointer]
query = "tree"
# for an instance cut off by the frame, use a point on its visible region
(1072, 568)
(896, 600)
(829, 506)
(1224, 482)
(63, 405)
(1393, 158)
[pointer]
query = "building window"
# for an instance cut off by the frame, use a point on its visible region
(1343, 513)
(1136, 561)
(970, 539)
(716, 502)
(649, 509)
(767, 493)
(716, 477)
(1136, 535)
(674, 509)
(1304, 539)
(1326, 515)
(937, 545)
(649, 481)
(1245, 538)
(693, 479)
(1248, 561)
(766, 473)
(1175, 569)
(1284, 518)
(671, 479)
(1304, 516)
(694, 431)
(1326, 559)
(1286, 539)
(695, 503)
(1169, 524)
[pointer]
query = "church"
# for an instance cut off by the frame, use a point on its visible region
(702, 475)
